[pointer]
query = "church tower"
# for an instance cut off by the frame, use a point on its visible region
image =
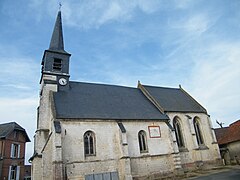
(55, 62)
(54, 74)
(54, 78)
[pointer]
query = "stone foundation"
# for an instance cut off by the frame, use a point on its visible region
(202, 165)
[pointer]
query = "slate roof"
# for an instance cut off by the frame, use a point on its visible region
(174, 100)
(57, 43)
(228, 134)
(99, 101)
(8, 128)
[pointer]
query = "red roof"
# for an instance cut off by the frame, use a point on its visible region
(228, 134)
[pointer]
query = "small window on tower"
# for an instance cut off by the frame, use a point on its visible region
(57, 65)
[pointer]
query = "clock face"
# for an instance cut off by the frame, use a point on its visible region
(62, 81)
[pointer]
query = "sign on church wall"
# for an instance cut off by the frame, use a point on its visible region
(154, 131)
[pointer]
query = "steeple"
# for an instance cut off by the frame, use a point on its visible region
(55, 62)
(56, 43)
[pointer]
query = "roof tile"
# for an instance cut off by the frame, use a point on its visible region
(228, 134)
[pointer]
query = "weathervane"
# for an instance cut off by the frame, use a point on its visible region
(60, 5)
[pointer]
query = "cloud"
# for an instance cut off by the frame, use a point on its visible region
(88, 14)
(183, 4)
(150, 6)
(22, 111)
(18, 74)
(215, 79)
(19, 90)
(18, 109)
(196, 24)
(15, 66)
(114, 11)
(94, 13)
(16, 86)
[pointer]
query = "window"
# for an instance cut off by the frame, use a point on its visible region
(14, 172)
(57, 65)
(178, 132)
(15, 135)
(198, 131)
(142, 141)
(15, 151)
(89, 143)
(1, 149)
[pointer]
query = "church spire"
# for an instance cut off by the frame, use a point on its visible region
(56, 43)
(55, 61)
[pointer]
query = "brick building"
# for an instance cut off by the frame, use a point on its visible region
(228, 139)
(12, 151)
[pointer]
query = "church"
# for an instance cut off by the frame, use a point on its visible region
(99, 131)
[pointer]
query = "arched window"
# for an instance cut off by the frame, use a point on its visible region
(142, 139)
(89, 143)
(178, 132)
(198, 131)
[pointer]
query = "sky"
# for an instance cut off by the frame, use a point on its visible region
(195, 43)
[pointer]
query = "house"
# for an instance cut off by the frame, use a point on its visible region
(228, 139)
(99, 131)
(12, 151)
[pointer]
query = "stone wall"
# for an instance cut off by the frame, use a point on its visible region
(194, 155)
(234, 152)
(109, 148)
(42, 147)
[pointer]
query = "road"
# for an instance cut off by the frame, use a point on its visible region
(232, 174)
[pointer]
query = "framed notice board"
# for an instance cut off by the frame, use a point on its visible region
(154, 131)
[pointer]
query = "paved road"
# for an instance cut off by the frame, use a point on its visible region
(233, 174)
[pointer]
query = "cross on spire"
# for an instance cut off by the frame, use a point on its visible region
(60, 6)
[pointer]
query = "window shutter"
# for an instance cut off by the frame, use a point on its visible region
(18, 151)
(12, 150)
(18, 173)
(9, 172)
